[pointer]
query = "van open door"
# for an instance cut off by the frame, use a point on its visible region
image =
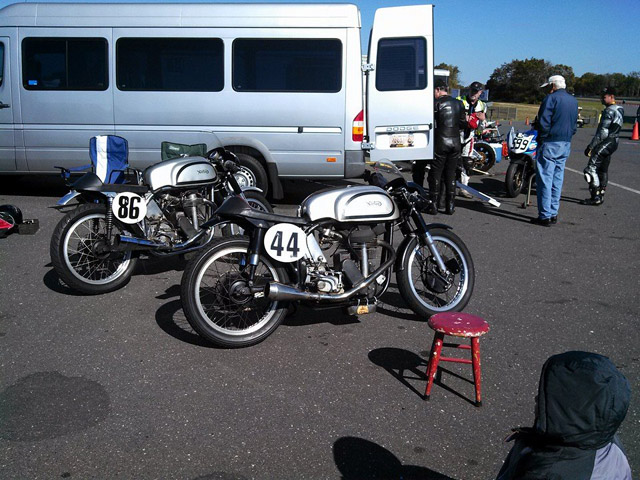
(400, 84)
(7, 142)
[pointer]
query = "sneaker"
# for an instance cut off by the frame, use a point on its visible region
(543, 222)
(554, 220)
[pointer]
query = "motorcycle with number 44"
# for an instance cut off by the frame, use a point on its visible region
(337, 252)
(95, 247)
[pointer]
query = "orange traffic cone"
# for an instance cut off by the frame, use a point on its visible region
(634, 135)
(526, 122)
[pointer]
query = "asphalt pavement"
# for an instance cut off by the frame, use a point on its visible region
(119, 386)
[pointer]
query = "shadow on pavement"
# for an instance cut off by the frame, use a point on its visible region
(357, 458)
(300, 316)
(33, 185)
(170, 318)
(403, 365)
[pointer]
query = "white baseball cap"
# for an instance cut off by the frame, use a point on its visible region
(557, 80)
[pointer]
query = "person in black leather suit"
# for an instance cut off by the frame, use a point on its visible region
(450, 118)
(604, 143)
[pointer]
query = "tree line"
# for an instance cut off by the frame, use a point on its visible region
(519, 81)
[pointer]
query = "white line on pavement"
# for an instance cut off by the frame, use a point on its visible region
(610, 183)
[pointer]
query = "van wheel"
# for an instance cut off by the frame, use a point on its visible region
(251, 173)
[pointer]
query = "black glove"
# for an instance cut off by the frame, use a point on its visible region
(587, 152)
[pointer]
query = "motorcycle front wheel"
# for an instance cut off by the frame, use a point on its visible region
(514, 179)
(424, 287)
(214, 301)
(78, 256)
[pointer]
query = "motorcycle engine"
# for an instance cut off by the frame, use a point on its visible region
(159, 215)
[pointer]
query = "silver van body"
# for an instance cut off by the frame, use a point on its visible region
(306, 127)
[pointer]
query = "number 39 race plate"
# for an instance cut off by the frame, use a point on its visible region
(129, 207)
(285, 242)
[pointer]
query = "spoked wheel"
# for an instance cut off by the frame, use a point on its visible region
(514, 179)
(79, 254)
(425, 288)
(487, 157)
(217, 300)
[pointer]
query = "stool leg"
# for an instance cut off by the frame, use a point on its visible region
(434, 358)
(475, 360)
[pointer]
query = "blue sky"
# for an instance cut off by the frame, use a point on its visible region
(600, 36)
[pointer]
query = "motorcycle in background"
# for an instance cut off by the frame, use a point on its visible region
(337, 252)
(522, 157)
(95, 247)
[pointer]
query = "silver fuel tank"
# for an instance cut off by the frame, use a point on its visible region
(351, 204)
(180, 172)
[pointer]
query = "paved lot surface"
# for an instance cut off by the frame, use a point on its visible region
(118, 386)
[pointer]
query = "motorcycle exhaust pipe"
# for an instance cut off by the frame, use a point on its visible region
(281, 292)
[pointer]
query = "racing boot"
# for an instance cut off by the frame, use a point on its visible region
(434, 196)
(596, 197)
(432, 208)
(451, 203)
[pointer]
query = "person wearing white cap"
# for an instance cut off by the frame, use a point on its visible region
(556, 125)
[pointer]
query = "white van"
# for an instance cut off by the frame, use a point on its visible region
(280, 84)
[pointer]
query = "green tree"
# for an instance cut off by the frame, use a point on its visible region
(454, 74)
(519, 80)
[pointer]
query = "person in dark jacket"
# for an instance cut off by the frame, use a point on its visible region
(450, 118)
(582, 400)
(556, 125)
(603, 145)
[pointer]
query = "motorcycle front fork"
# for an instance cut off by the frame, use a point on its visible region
(425, 237)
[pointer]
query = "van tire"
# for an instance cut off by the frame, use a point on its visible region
(253, 173)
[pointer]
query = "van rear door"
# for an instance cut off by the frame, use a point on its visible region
(7, 145)
(399, 84)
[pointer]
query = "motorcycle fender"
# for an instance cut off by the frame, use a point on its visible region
(403, 250)
(520, 160)
(67, 198)
(252, 189)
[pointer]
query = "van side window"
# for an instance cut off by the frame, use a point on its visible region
(170, 64)
(287, 65)
(64, 63)
(401, 64)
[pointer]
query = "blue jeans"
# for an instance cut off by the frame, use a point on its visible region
(550, 160)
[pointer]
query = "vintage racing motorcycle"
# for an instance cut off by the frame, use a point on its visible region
(94, 248)
(337, 252)
(522, 157)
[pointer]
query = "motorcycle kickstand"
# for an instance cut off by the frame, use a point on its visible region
(527, 202)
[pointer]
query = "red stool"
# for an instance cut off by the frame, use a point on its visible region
(456, 324)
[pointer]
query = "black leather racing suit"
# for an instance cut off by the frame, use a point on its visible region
(604, 143)
(450, 118)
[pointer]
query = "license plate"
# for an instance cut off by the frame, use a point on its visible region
(402, 140)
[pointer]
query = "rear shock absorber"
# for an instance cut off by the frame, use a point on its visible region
(109, 221)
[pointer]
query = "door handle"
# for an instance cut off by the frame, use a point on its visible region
(4, 105)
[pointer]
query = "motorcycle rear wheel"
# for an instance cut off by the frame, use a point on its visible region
(514, 179)
(420, 283)
(488, 157)
(74, 256)
(213, 303)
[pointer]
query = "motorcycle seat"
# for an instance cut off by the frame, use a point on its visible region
(91, 182)
(237, 207)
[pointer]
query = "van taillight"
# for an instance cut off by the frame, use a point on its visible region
(357, 131)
